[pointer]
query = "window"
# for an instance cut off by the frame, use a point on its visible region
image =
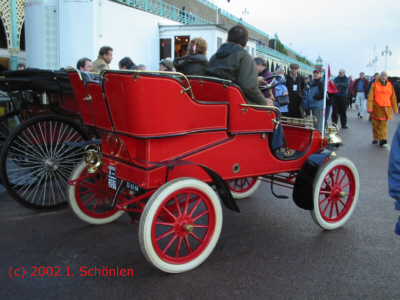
(181, 44)
(165, 48)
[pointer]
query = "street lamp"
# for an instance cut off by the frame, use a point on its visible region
(374, 61)
(369, 66)
(387, 51)
(245, 12)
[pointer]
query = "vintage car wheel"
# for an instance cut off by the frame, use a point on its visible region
(243, 187)
(36, 162)
(180, 225)
(90, 197)
(336, 189)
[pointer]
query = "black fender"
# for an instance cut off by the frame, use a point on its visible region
(221, 185)
(303, 187)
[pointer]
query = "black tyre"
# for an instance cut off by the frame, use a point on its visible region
(36, 162)
(8, 122)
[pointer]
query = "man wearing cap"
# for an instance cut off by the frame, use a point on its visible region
(381, 101)
(167, 65)
(339, 103)
(359, 92)
(295, 84)
(315, 98)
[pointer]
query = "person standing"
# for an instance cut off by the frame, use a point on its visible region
(295, 84)
(350, 95)
(359, 92)
(381, 101)
(339, 103)
(103, 60)
(315, 98)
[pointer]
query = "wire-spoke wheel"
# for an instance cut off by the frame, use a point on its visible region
(91, 198)
(336, 189)
(180, 225)
(243, 187)
(36, 161)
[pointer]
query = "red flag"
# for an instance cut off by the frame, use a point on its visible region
(331, 86)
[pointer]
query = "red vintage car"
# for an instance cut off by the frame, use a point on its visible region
(174, 146)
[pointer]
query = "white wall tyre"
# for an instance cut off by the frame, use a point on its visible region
(90, 197)
(243, 187)
(335, 192)
(180, 225)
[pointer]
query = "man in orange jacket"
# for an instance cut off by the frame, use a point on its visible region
(381, 101)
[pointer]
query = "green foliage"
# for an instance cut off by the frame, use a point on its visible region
(280, 47)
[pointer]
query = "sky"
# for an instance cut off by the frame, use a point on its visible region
(343, 32)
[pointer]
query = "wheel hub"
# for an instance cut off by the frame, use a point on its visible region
(183, 226)
(51, 164)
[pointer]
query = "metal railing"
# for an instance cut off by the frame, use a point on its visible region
(277, 54)
(168, 11)
(165, 10)
(232, 17)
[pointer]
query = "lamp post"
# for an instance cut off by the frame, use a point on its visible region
(369, 66)
(245, 12)
(386, 52)
(374, 61)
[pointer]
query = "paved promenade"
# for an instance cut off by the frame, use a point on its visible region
(271, 250)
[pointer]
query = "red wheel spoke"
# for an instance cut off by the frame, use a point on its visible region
(186, 204)
(200, 215)
(90, 199)
(343, 178)
(177, 206)
(96, 203)
(86, 192)
(170, 243)
(344, 204)
(165, 234)
(194, 207)
(337, 176)
(201, 226)
(337, 209)
(196, 237)
(324, 200)
(346, 185)
(327, 183)
(165, 224)
(168, 212)
(187, 245)
(178, 248)
(327, 206)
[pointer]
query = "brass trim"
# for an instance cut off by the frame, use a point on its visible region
(299, 122)
(135, 76)
(244, 110)
(88, 98)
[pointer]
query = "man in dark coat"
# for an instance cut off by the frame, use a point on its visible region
(295, 84)
(340, 99)
(234, 63)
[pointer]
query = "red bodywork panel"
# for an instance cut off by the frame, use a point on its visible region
(148, 117)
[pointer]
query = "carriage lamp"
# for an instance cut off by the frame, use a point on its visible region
(45, 98)
(333, 140)
(93, 158)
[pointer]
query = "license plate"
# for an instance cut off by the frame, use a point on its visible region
(133, 186)
(112, 179)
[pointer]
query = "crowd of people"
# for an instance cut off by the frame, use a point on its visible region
(297, 96)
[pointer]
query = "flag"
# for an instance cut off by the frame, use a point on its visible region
(331, 86)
